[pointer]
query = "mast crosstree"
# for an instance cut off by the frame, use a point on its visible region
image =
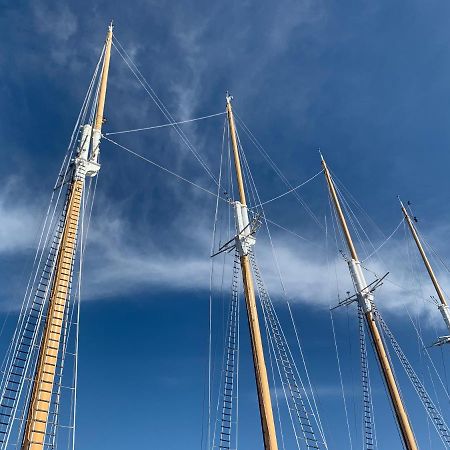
(365, 300)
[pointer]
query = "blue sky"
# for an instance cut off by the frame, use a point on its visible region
(366, 82)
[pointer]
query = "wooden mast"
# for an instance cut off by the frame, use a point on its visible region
(262, 382)
(443, 307)
(365, 299)
(44, 379)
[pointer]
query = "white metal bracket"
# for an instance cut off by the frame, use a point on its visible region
(86, 166)
(244, 236)
(445, 311)
(364, 292)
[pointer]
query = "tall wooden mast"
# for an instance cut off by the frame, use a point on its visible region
(44, 379)
(443, 307)
(365, 300)
(244, 240)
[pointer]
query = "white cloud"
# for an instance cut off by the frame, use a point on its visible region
(18, 219)
(291, 16)
(55, 19)
(122, 259)
(145, 262)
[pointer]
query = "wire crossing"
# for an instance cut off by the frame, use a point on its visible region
(229, 406)
(430, 407)
(368, 420)
(292, 385)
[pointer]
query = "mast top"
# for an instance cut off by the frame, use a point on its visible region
(111, 26)
(321, 156)
(228, 97)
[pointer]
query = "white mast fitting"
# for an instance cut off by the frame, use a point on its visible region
(244, 237)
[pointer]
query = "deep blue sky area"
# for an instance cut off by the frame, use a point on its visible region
(366, 82)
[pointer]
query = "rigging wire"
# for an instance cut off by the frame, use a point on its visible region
(384, 242)
(283, 384)
(357, 204)
(415, 274)
(163, 168)
(341, 379)
(437, 419)
(417, 323)
(50, 214)
(289, 231)
(415, 380)
(276, 169)
(338, 231)
(170, 124)
(211, 278)
(312, 406)
(48, 226)
(77, 330)
(158, 102)
(290, 190)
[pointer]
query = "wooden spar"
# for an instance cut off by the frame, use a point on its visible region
(443, 307)
(415, 235)
(44, 378)
(262, 382)
(363, 297)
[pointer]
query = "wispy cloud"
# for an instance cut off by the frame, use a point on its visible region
(57, 22)
(126, 257)
(55, 19)
(127, 262)
(19, 217)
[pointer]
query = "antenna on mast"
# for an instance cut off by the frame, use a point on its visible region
(443, 306)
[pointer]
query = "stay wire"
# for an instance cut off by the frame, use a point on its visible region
(48, 224)
(384, 242)
(163, 168)
(164, 125)
(272, 164)
(358, 205)
(341, 378)
(158, 102)
(313, 408)
(341, 381)
(290, 191)
(211, 278)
